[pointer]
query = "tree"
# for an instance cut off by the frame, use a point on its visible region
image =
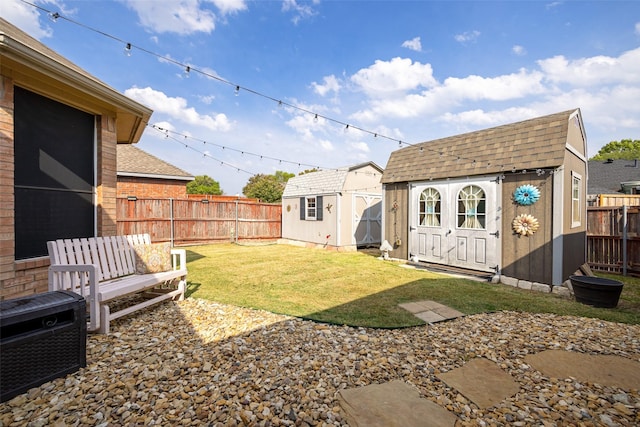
(268, 188)
(203, 184)
(625, 149)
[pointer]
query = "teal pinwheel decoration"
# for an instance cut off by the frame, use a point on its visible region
(526, 194)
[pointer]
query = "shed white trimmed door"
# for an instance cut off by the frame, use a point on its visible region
(456, 223)
(367, 219)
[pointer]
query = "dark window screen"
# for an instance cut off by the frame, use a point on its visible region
(54, 173)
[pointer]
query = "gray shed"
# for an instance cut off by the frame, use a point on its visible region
(338, 208)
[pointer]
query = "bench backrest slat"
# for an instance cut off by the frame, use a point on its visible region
(114, 256)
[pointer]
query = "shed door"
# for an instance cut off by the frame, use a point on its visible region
(456, 223)
(367, 219)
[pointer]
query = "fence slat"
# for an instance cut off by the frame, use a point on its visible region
(195, 222)
(604, 239)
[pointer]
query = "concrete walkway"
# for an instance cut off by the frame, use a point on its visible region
(480, 380)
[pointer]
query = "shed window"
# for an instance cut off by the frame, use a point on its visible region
(54, 173)
(472, 207)
(311, 208)
(576, 196)
(429, 207)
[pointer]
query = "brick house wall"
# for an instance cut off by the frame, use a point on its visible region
(151, 188)
(26, 277)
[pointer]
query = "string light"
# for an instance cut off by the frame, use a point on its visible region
(55, 16)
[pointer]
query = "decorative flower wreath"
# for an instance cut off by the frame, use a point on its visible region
(525, 224)
(526, 194)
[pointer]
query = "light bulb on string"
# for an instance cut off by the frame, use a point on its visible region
(315, 119)
(237, 91)
(127, 49)
(53, 16)
(187, 71)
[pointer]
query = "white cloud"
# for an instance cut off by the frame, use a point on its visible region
(501, 88)
(177, 109)
(413, 44)
(593, 70)
(637, 28)
(27, 17)
(229, 6)
(360, 146)
(330, 84)
(395, 77)
(518, 50)
(173, 16)
(467, 36)
(301, 11)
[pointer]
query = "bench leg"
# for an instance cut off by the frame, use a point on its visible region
(105, 314)
(182, 285)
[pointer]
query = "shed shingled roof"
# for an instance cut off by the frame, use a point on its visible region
(530, 144)
(132, 161)
(321, 182)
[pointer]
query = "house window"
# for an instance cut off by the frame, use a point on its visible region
(472, 207)
(576, 196)
(54, 173)
(429, 208)
(311, 208)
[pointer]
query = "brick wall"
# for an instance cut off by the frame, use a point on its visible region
(151, 188)
(26, 277)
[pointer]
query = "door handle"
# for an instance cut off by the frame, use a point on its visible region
(497, 233)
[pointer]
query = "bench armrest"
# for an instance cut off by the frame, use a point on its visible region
(179, 259)
(78, 278)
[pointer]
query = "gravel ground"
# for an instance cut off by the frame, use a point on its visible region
(201, 363)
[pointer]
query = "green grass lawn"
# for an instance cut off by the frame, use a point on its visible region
(357, 289)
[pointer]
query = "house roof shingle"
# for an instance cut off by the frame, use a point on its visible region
(132, 161)
(530, 144)
(605, 177)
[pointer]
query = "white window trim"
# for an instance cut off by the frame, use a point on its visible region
(307, 215)
(574, 176)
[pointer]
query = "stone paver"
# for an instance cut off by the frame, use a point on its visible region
(481, 381)
(393, 404)
(431, 311)
(603, 369)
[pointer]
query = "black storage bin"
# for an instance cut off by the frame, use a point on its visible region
(42, 337)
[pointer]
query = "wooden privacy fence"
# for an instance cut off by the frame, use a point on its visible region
(613, 239)
(189, 221)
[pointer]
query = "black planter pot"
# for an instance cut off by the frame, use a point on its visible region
(596, 291)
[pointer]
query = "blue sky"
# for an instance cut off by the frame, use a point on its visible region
(410, 71)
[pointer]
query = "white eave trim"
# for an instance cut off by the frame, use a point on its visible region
(30, 57)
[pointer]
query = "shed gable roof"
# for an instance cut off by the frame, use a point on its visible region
(530, 144)
(132, 161)
(322, 182)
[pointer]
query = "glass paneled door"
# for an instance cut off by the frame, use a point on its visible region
(456, 222)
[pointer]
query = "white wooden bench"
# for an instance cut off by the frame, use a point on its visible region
(103, 269)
